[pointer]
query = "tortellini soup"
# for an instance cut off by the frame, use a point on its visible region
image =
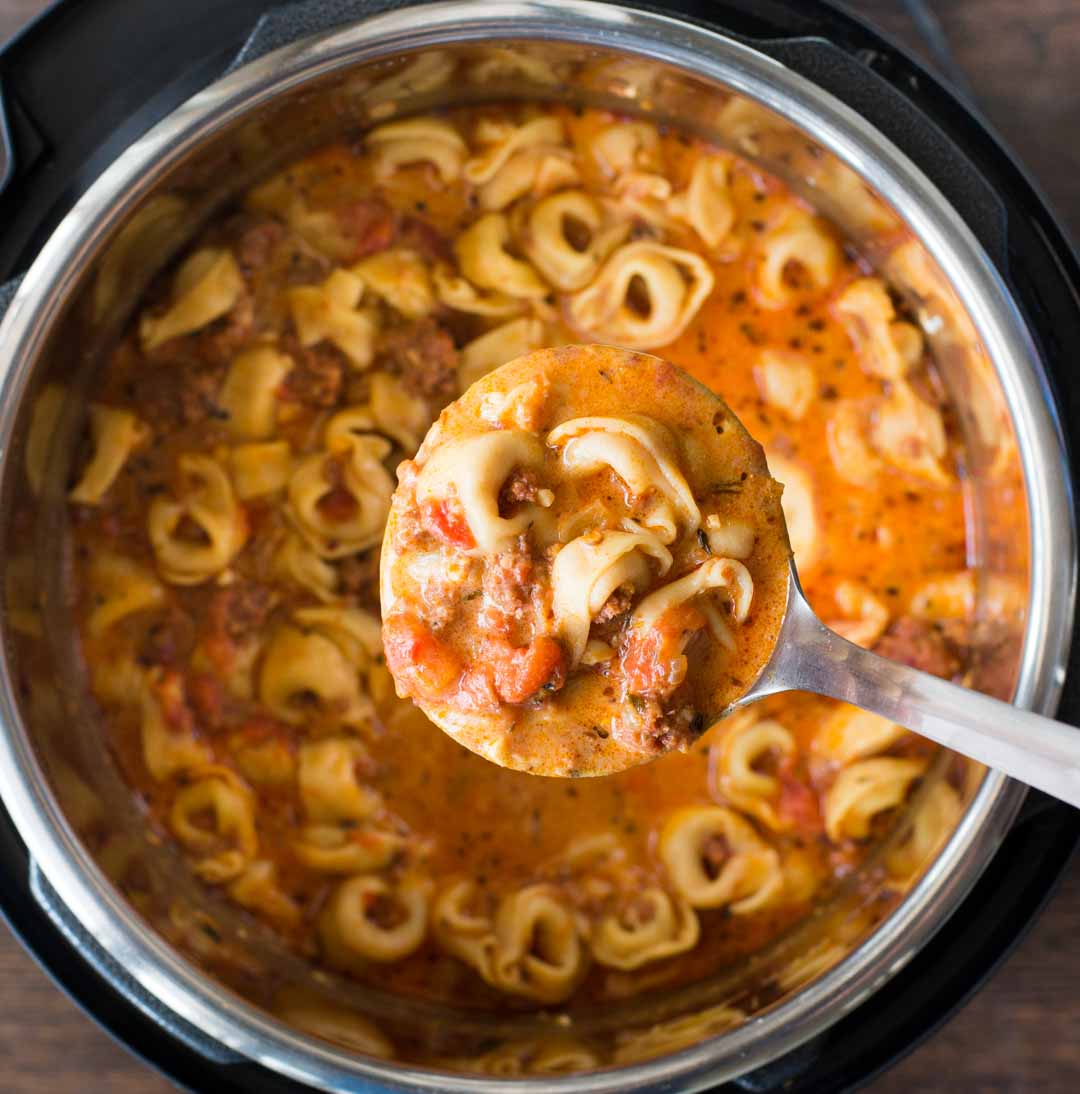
(233, 486)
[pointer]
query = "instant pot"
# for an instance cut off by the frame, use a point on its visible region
(108, 163)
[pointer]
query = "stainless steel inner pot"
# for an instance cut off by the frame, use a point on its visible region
(214, 975)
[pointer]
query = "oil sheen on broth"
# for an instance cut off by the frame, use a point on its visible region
(237, 478)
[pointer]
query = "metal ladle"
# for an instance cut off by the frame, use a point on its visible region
(1037, 750)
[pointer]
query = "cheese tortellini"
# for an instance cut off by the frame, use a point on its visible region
(713, 573)
(168, 749)
(472, 471)
(332, 311)
(320, 1018)
(786, 381)
(706, 203)
(566, 239)
(260, 469)
(391, 411)
(460, 294)
(249, 395)
(500, 140)
(371, 919)
(259, 890)
(641, 452)
(888, 348)
(529, 946)
(207, 287)
(644, 296)
(799, 241)
(121, 588)
(401, 278)
(740, 753)
(297, 562)
(850, 734)
(866, 789)
(538, 951)
(423, 140)
(933, 820)
(115, 434)
(484, 259)
(910, 433)
(464, 927)
(516, 160)
(328, 783)
(715, 859)
(196, 533)
(305, 675)
(339, 502)
(497, 346)
(800, 510)
(47, 412)
(590, 568)
(626, 146)
(347, 849)
(227, 847)
(654, 925)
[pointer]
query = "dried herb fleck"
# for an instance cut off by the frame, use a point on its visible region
(728, 486)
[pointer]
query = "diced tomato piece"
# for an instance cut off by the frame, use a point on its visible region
(425, 666)
(446, 519)
(369, 223)
(207, 695)
(798, 805)
(221, 650)
(653, 663)
(174, 704)
(260, 727)
(521, 671)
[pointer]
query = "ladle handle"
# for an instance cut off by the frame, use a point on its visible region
(1034, 749)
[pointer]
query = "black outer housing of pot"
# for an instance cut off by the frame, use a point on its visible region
(90, 76)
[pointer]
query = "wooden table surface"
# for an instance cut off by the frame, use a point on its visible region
(1021, 59)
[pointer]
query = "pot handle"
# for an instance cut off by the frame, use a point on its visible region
(284, 24)
(7, 153)
(875, 85)
(870, 81)
(110, 969)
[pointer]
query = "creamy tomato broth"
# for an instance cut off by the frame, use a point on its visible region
(237, 476)
(585, 564)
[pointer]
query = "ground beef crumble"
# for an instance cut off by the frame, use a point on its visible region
(317, 377)
(170, 641)
(369, 223)
(521, 486)
(423, 355)
(424, 238)
(255, 245)
(617, 604)
(508, 586)
(239, 609)
(922, 645)
(715, 852)
(651, 727)
(225, 337)
(180, 393)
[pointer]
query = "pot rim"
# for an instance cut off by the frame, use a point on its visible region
(52, 280)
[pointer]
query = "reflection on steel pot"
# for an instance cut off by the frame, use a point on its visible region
(232, 988)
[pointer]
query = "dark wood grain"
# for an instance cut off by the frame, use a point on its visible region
(1021, 1034)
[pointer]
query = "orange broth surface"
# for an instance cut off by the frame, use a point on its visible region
(461, 815)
